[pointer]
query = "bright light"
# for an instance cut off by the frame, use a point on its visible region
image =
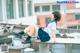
(78, 4)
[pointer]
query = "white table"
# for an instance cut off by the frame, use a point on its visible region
(66, 41)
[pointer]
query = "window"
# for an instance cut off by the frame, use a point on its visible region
(30, 8)
(77, 17)
(45, 8)
(0, 10)
(21, 8)
(73, 27)
(9, 9)
(37, 8)
(78, 26)
(55, 7)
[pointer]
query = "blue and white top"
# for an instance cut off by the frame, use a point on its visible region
(51, 28)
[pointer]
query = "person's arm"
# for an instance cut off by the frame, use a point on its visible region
(53, 29)
(54, 36)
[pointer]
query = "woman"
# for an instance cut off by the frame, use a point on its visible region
(55, 48)
(52, 24)
(50, 29)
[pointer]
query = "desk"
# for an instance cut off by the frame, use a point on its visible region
(66, 41)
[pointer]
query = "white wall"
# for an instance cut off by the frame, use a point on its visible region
(78, 4)
(31, 20)
(47, 1)
(0, 9)
(43, 13)
(43, 1)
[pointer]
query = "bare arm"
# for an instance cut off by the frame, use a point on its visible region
(54, 36)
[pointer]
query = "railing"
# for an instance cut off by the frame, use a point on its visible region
(69, 30)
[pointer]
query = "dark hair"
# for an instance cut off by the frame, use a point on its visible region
(57, 15)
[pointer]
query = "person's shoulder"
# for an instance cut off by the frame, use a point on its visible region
(52, 23)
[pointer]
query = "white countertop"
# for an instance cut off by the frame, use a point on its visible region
(62, 41)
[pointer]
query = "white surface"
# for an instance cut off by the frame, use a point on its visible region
(2, 52)
(17, 43)
(28, 49)
(30, 20)
(48, 1)
(72, 11)
(11, 36)
(22, 47)
(62, 41)
(44, 1)
(75, 34)
(78, 4)
(68, 40)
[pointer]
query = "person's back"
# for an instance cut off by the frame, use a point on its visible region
(50, 29)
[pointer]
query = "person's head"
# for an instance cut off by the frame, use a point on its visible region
(56, 16)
